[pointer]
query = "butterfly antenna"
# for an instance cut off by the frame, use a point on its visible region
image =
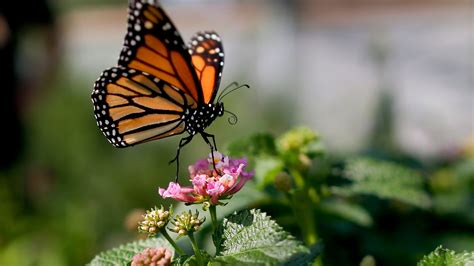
(232, 90)
(233, 118)
(227, 87)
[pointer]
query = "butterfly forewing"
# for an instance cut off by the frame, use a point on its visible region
(132, 107)
(153, 45)
(207, 55)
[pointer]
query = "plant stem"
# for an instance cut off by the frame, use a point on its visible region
(197, 252)
(171, 241)
(303, 209)
(212, 211)
(299, 179)
(303, 200)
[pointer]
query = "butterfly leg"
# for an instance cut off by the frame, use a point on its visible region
(207, 135)
(182, 143)
(213, 146)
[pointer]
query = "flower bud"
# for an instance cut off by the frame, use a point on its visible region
(152, 256)
(298, 141)
(153, 221)
(186, 223)
(283, 182)
(206, 205)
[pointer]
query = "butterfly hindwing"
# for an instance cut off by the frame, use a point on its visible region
(207, 54)
(132, 107)
(153, 44)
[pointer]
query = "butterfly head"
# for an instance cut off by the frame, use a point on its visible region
(219, 108)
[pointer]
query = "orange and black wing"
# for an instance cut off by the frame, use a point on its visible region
(207, 55)
(153, 45)
(132, 107)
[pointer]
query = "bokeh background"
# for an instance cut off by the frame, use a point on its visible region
(392, 77)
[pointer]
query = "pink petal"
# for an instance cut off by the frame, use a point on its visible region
(227, 180)
(239, 185)
(215, 188)
(172, 190)
(175, 191)
(199, 183)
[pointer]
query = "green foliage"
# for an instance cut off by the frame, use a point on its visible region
(297, 180)
(255, 145)
(261, 150)
(347, 211)
(299, 141)
(306, 259)
(123, 255)
(293, 150)
(453, 189)
(445, 257)
(251, 237)
(385, 180)
(266, 170)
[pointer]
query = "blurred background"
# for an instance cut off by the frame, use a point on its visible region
(392, 77)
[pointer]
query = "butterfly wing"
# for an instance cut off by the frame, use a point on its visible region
(207, 55)
(153, 45)
(132, 107)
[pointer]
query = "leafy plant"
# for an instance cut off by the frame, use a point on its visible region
(385, 180)
(245, 237)
(446, 257)
(309, 194)
(251, 237)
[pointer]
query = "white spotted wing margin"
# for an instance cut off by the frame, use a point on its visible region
(207, 53)
(133, 107)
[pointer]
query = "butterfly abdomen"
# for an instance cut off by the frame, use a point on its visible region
(198, 119)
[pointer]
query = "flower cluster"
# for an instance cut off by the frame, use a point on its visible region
(186, 223)
(154, 220)
(211, 184)
(152, 256)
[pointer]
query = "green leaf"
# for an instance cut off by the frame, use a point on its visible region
(183, 260)
(257, 144)
(442, 256)
(305, 258)
(348, 211)
(251, 237)
(123, 254)
(266, 170)
(385, 180)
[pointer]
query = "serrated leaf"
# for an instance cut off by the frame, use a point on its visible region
(251, 237)
(123, 254)
(442, 256)
(385, 180)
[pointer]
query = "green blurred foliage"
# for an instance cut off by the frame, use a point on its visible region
(365, 204)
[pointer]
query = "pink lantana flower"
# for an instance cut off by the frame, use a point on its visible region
(209, 184)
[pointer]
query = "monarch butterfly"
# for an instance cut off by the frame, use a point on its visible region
(160, 87)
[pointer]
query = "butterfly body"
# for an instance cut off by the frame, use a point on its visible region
(196, 120)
